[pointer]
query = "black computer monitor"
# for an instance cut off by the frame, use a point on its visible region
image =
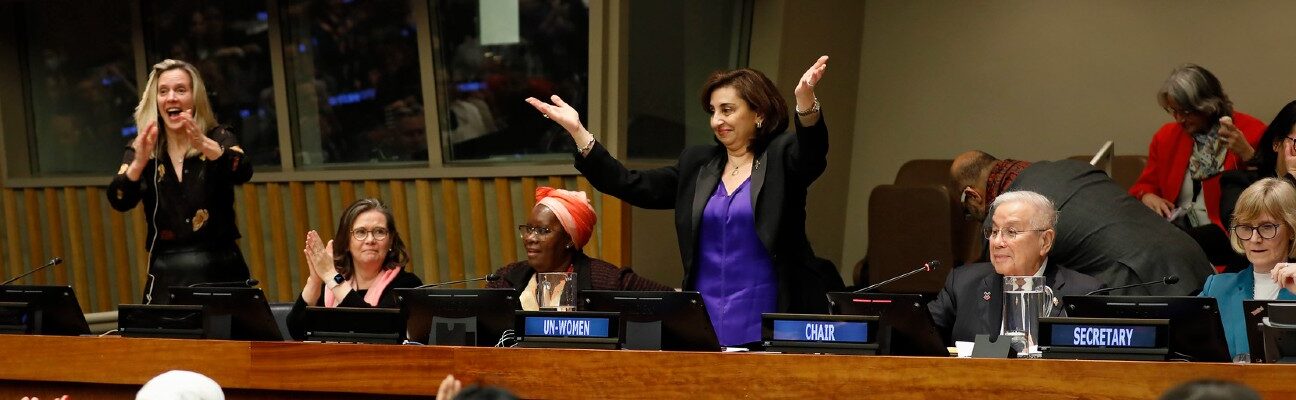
(161, 321)
(1254, 312)
(1196, 333)
(43, 310)
(457, 317)
(354, 325)
(665, 320)
(237, 313)
(905, 325)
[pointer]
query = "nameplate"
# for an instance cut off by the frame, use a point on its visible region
(821, 331)
(1104, 333)
(582, 327)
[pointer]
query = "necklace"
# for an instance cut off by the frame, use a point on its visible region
(736, 167)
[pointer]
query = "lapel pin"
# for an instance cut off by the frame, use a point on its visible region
(986, 296)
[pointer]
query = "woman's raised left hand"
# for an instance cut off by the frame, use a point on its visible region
(1234, 140)
(805, 96)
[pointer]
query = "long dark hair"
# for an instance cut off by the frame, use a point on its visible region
(397, 256)
(1266, 158)
(760, 94)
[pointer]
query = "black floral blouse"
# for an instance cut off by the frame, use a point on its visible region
(197, 210)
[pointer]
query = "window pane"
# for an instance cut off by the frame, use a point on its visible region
(82, 95)
(354, 80)
(229, 42)
(674, 47)
(492, 55)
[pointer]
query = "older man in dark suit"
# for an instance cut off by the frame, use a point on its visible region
(1101, 232)
(1021, 236)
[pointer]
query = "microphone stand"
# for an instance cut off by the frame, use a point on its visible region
(52, 262)
(488, 277)
(930, 265)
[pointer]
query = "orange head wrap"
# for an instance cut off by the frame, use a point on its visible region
(573, 210)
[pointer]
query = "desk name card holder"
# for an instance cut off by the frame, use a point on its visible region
(568, 329)
(1105, 338)
(820, 334)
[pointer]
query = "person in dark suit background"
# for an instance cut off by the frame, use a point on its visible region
(1101, 230)
(739, 204)
(1021, 236)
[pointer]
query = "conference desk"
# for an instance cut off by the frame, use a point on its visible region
(114, 367)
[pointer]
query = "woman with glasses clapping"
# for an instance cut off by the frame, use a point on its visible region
(560, 225)
(370, 261)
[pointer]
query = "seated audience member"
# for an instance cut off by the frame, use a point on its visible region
(1262, 230)
(1207, 389)
(1021, 235)
(1275, 157)
(1181, 180)
(1101, 231)
(370, 262)
(560, 225)
(180, 385)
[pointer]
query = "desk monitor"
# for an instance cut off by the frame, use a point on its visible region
(457, 317)
(238, 313)
(1196, 333)
(666, 320)
(354, 325)
(49, 310)
(1254, 311)
(905, 325)
(161, 321)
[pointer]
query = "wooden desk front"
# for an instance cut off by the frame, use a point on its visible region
(111, 367)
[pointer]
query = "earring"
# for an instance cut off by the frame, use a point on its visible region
(758, 124)
(569, 245)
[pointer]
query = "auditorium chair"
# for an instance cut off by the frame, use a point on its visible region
(915, 220)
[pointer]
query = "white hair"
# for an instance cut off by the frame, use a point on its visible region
(180, 385)
(1045, 216)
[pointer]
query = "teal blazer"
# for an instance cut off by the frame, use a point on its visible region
(1229, 290)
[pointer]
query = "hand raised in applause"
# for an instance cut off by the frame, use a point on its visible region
(449, 388)
(319, 257)
(145, 143)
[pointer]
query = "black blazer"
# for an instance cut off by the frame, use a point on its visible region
(780, 178)
(971, 303)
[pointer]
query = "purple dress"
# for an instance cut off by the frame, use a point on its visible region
(735, 274)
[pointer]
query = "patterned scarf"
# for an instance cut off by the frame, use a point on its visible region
(1207, 156)
(1002, 175)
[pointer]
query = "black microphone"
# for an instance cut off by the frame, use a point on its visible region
(52, 262)
(250, 282)
(488, 278)
(1169, 280)
(930, 265)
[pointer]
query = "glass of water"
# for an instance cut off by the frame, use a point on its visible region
(556, 291)
(1026, 299)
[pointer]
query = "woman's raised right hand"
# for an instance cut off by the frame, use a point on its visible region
(319, 257)
(561, 113)
(145, 142)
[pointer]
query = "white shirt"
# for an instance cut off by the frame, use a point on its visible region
(1265, 287)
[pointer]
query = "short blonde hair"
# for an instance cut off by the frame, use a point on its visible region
(146, 111)
(1269, 196)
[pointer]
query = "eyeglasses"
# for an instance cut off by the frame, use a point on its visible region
(361, 234)
(1246, 232)
(541, 231)
(1008, 233)
(1179, 113)
(1283, 140)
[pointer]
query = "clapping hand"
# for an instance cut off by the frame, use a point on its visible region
(449, 388)
(320, 258)
(145, 143)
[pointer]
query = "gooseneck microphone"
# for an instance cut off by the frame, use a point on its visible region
(930, 265)
(1169, 280)
(250, 282)
(52, 262)
(488, 278)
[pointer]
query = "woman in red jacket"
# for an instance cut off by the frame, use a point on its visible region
(1181, 180)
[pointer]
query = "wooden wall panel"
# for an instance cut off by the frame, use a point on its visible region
(76, 259)
(480, 236)
(32, 231)
(507, 224)
(99, 250)
(13, 239)
(454, 235)
(282, 270)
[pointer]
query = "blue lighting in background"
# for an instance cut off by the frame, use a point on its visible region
(263, 16)
(405, 32)
(351, 97)
(109, 80)
(245, 113)
(301, 48)
(471, 87)
(129, 131)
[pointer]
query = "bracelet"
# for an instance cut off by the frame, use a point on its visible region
(583, 150)
(813, 109)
